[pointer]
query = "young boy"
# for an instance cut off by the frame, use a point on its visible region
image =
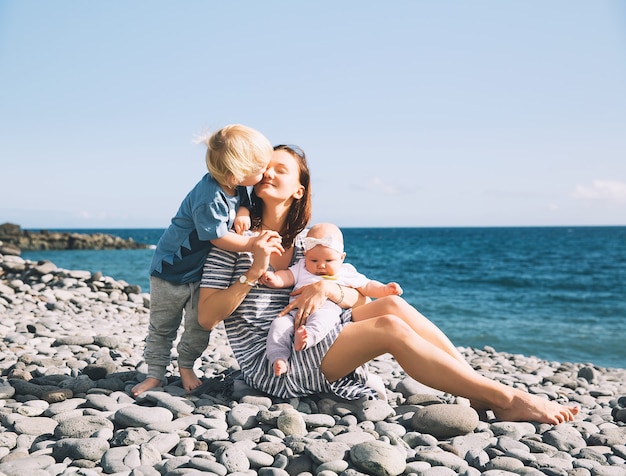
(236, 157)
(323, 259)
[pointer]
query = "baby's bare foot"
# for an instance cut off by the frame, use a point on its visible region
(528, 407)
(190, 379)
(148, 384)
(280, 367)
(300, 338)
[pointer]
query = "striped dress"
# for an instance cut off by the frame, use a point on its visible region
(247, 329)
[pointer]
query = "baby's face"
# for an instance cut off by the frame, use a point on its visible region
(323, 261)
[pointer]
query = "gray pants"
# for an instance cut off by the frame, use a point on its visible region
(169, 303)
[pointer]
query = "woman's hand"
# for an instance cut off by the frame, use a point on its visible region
(265, 244)
(215, 305)
(308, 300)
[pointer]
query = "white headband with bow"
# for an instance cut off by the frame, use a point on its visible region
(328, 241)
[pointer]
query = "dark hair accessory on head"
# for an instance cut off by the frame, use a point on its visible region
(291, 148)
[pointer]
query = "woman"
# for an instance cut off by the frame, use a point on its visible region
(230, 293)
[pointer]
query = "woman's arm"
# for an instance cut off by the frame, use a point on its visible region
(311, 297)
(215, 305)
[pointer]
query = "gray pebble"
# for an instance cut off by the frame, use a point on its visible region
(82, 426)
(90, 449)
(134, 415)
(378, 458)
(234, 460)
(291, 423)
(34, 425)
(445, 421)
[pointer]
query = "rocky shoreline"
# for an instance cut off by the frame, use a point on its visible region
(13, 240)
(71, 349)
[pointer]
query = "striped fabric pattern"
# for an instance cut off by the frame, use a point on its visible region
(247, 329)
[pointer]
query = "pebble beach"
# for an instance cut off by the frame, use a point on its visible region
(72, 348)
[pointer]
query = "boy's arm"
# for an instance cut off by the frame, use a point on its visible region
(234, 242)
(242, 220)
(376, 289)
(282, 278)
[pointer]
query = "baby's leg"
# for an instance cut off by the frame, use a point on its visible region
(316, 327)
(279, 338)
(300, 338)
(280, 367)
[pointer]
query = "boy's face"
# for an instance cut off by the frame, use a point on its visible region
(323, 261)
(254, 178)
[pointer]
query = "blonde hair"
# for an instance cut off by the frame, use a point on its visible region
(236, 152)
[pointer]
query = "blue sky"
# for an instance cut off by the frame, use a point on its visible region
(412, 113)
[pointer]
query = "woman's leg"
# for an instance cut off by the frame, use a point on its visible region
(396, 306)
(361, 341)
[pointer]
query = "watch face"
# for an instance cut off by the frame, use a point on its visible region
(242, 278)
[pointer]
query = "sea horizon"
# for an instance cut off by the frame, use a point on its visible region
(101, 228)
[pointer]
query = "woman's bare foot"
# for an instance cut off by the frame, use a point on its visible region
(280, 367)
(527, 407)
(300, 338)
(190, 379)
(148, 384)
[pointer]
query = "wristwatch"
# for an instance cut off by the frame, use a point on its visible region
(243, 279)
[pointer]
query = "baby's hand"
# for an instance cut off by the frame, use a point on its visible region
(394, 289)
(242, 224)
(268, 279)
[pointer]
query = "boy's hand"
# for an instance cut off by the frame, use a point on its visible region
(242, 224)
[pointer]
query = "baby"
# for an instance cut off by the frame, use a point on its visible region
(323, 259)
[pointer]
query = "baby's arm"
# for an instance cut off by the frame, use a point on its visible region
(282, 278)
(242, 220)
(376, 289)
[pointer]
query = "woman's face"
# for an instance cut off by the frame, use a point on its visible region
(281, 180)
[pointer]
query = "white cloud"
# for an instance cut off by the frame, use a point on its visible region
(376, 184)
(605, 190)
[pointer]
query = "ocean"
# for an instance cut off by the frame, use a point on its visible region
(557, 293)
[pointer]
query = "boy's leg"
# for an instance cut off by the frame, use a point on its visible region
(193, 341)
(166, 311)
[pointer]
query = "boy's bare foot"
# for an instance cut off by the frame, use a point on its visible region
(300, 338)
(148, 384)
(280, 367)
(527, 407)
(190, 379)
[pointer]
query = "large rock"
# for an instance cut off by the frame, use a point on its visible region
(444, 420)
